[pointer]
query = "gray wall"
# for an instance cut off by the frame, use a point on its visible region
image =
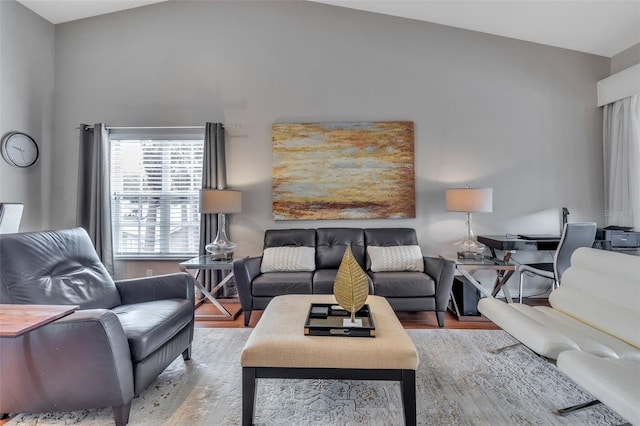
(26, 102)
(488, 111)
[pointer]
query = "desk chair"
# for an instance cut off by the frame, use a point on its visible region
(574, 235)
(10, 215)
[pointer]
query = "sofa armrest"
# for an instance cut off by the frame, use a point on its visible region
(442, 271)
(245, 271)
(57, 365)
(171, 286)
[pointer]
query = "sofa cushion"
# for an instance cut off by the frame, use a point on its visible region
(332, 243)
(279, 283)
(396, 258)
(548, 332)
(323, 281)
(288, 259)
(289, 237)
(602, 289)
(149, 325)
(386, 237)
(610, 380)
(403, 284)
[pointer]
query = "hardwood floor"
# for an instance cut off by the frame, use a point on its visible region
(408, 319)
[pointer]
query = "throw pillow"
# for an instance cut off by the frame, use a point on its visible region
(288, 259)
(395, 258)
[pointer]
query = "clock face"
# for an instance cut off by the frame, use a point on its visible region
(19, 149)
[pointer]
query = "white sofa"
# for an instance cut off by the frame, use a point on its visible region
(592, 327)
(614, 382)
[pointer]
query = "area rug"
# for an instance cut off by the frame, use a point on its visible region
(459, 382)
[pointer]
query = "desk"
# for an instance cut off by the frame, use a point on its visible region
(509, 244)
(206, 263)
(501, 242)
(16, 320)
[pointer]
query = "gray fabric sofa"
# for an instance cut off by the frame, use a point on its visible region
(405, 290)
(124, 334)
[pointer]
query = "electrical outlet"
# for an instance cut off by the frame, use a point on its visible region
(149, 272)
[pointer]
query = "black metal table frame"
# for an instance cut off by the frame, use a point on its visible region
(407, 379)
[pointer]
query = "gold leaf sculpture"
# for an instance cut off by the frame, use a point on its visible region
(352, 285)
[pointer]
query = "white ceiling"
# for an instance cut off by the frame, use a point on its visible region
(59, 11)
(601, 27)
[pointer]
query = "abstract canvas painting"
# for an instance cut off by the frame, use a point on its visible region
(343, 170)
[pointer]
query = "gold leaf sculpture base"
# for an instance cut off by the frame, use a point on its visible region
(352, 323)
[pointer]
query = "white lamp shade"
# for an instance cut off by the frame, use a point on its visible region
(470, 200)
(220, 201)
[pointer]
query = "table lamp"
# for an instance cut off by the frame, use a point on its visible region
(469, 200)
(220, 202)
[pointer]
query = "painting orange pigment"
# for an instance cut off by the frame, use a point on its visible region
(343, 170)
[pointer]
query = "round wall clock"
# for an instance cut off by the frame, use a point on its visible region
(19, 149)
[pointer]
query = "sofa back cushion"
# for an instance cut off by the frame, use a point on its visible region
(54, 267)
(332, 242)
(602, 289)
(387, 237)
(290, 238)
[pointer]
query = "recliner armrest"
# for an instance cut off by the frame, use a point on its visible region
(245, 271)
(442, 271)
(75, 362)
(179, 285)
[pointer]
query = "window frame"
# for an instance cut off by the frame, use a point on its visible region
(164, 137)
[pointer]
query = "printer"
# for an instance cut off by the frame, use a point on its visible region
(618, 238)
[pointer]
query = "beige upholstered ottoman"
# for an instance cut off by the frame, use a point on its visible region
(278, 348)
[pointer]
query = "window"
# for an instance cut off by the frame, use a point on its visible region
(155, 183)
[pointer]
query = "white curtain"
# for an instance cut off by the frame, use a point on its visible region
(621, 143)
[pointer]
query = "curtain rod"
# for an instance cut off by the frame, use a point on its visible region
(155, 127)
(148, 127)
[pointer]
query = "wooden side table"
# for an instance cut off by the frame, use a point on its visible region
(16, 320)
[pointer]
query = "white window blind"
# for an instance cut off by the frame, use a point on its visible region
(154, 186)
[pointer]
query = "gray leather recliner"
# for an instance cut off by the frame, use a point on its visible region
(124, 334)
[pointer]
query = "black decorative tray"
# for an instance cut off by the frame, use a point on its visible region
(326, 319)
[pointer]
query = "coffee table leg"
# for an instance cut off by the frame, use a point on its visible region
(248, 394)
(408, 387)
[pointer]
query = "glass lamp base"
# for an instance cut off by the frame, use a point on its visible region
(470, 248)
(221, 248)
(220, 252)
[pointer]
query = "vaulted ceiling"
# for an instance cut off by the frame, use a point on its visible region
(601, 27)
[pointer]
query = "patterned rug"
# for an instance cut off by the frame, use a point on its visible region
(458, 383)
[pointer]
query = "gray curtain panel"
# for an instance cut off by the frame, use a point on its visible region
(213, 176)
(94, 190)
